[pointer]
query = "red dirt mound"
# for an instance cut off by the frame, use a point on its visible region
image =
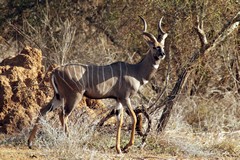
(24, 88)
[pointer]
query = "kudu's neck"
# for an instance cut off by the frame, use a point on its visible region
(148, 66)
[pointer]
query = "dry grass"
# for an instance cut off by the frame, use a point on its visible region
(211, 133)
(203, 126)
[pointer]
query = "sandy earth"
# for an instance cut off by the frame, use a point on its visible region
(23, 153)
(20, 153)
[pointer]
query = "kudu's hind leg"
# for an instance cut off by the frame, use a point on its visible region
(54, 103)
(63, 120)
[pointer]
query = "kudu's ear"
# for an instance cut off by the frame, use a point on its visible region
(161, 34)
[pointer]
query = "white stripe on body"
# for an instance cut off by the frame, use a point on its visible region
(74, 69)
(103, 75)
(76, 77)
(64, 80)
(82, 78)
(69, 72)
(98, 80)
(71, 77)
(92, 79)
(87, 72)
(120, 76)
(112, 76)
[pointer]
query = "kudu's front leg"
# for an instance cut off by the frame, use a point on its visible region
(119, 114)
(134, 122)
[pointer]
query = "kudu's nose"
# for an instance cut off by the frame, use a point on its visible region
(163, 55)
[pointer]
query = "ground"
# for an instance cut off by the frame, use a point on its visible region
(23, 153)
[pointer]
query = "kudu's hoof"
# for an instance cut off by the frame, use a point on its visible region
(119, 151)
(125, 149)
(29, 144)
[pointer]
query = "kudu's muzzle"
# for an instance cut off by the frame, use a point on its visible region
(160, 53)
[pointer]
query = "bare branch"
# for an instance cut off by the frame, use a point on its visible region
(205, 48)
(226, 31)
(201, 33)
